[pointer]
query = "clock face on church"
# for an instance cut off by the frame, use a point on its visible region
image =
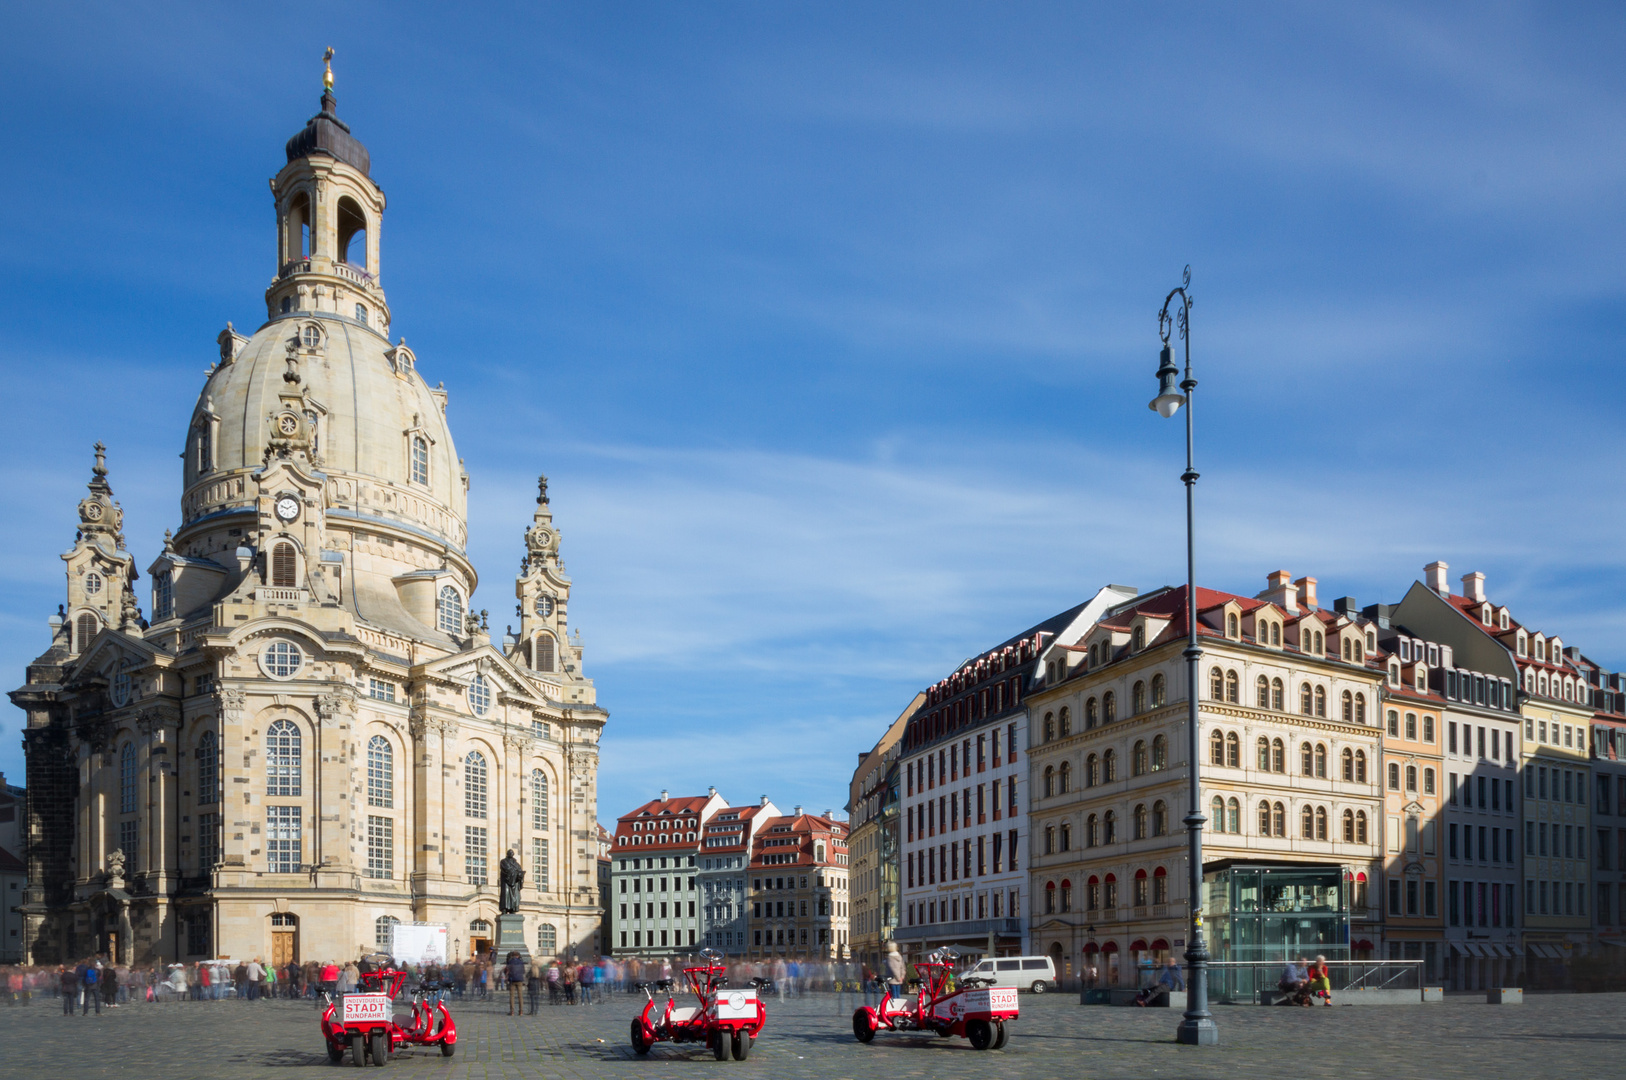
(287, 508)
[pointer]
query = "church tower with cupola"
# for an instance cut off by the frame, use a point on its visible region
(312, 737)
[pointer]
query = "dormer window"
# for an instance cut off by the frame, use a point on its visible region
(1139, 639)
(1502, 619)
(1394, 672)
(420, 460)
(1232, 627)
(1485, 614)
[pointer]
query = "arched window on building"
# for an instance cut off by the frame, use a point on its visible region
(1349, 826)
(1264, 754)
(1139, 761)
(380, 772)
(1348, 703)
(1277, 701)
(1216, 684)
(449, 611)
(1306, 708)
(283, 750)
(1360, 706)
(1216, 814)
(1263, 686)
(539, 799)
(1307, 823)
(545, 651)
(1066, 722)
(1216, 748)
(1092, 771)
(1142, 823)
(1109, 827)
(1091, 715)
(1278, 756)
(420, 460)
(208, 757)
(1066, 777)
(1137, 698)
(283, 562)
(1233, 750)
(1233, 688)
(1049, 727)
(1360, 826)
(1160, 753)
(1321, 701)
(1160, 818)
(87, 626)
(1109, 766)
(1049, 781)
(1264, 819)
(1321, 823)
(474, 785)
(1321, 761)
(1348, 759)
(127, 779)
(1306, 759)
(1278, 819)
(1092, 831)
(1109, 708)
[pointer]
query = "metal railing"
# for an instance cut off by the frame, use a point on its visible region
(1251, 980)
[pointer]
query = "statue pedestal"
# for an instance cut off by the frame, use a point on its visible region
(511, 937)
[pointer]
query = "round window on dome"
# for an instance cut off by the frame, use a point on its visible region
(281, 659)
(312, 336)
(93, 583)
(479, 695)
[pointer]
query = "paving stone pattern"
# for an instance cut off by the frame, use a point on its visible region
(1549, 1035)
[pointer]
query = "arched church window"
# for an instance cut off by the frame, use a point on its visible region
(127, 779)
(163, 597)
(86, 628)
(282, 754)
(544, 653)
(352, 233)
(208, 769)
(420, 460)
(539, 799)
(479, 695)
(380, 772)
(206, 452)
(449, 611)
(474, 785)
(282, 566)
(361, 314)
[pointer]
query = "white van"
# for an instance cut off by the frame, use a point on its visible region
(1035, 973)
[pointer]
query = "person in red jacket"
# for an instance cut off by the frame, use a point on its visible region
(330, 978)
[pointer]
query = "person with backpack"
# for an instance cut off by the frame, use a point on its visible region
(90, 977)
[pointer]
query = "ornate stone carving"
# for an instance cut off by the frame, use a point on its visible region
(232, 705)
(336, 703)
(115, 869)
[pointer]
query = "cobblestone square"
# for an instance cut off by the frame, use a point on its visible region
(810, 1037)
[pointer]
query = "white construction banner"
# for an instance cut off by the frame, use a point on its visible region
(418, 943)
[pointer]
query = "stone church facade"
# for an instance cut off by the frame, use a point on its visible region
(314, 734)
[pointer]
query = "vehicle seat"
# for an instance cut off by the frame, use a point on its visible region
(685, 1014)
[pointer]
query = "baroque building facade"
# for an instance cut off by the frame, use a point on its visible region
(314, 736)
(1290, 749)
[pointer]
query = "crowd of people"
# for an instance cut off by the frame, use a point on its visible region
(97, 982)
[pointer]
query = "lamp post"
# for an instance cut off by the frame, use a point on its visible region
(1197, 1026)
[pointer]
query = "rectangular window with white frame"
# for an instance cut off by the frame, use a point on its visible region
(282, 839)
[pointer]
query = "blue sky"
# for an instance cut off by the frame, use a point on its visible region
(834, 325)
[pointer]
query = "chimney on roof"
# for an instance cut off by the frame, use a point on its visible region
(797, 811)
(1346, 606)
(664, 795)
(1473, 586)
(1437, 579)
(1279, 591)
(712, 790)
(762, 800)
(830, 814)
(1306, 587)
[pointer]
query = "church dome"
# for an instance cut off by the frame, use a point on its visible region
(378, 432)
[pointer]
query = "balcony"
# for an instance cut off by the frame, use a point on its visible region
(267, 594)
(354, 274)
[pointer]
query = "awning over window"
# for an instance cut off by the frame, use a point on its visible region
(1460, 949)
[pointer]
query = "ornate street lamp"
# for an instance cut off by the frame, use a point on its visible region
(1197, 1026)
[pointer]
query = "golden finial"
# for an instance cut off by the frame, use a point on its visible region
(327, 75)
